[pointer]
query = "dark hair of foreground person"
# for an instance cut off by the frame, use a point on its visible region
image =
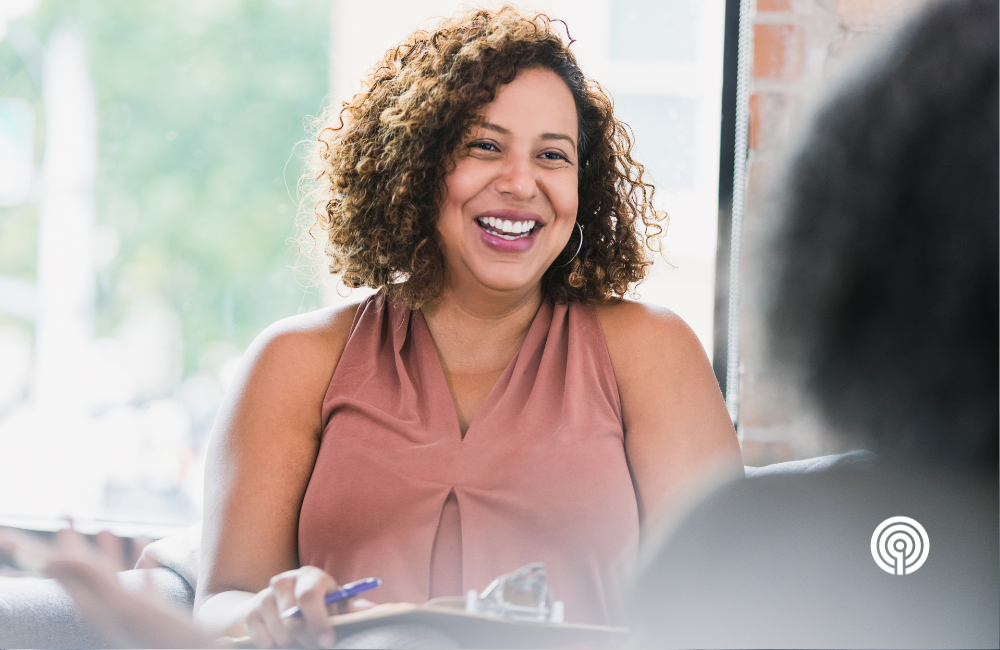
(884, 305)
(886, 290)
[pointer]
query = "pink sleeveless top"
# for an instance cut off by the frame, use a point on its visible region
(540, 475)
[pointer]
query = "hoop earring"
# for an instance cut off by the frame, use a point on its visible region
(578, 248)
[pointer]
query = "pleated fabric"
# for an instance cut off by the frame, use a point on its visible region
(540, 476)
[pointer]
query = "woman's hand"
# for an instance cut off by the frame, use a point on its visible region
(304, 588)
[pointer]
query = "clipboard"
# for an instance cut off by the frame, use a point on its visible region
(467, 629)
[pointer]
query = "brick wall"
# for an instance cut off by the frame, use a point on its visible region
(797, 46)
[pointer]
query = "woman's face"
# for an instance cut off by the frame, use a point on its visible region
(510, 202)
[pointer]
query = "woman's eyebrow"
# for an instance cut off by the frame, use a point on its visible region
(558, 136)
(490, 126)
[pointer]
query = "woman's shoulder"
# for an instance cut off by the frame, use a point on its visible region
(321, 327)
(633, 319)
(639, 334)
(313, 339)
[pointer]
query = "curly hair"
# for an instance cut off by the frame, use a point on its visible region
(383, 158)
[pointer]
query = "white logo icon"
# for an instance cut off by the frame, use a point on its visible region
(900, 545)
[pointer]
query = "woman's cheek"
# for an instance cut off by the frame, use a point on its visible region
(569, 202)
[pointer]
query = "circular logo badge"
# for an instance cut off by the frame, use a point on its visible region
(900, 545)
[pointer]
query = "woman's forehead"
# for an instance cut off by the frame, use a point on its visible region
(536, 102)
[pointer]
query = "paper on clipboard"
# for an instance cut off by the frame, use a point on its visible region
(469, 630)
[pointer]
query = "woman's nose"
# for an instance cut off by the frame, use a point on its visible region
(517, 180)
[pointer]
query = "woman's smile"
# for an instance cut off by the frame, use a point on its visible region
(509, 231)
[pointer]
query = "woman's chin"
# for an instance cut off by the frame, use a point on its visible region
(507, 280)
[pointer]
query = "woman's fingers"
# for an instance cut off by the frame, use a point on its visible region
(277, 628)
(311, 588)
(283, 589)
(357, 605)
(258, 631)
(264, 624)
(305, 588)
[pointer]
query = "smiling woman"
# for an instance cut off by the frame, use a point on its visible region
(384, 157)
(497, 402)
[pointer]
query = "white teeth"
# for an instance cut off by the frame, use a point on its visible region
(506, 228)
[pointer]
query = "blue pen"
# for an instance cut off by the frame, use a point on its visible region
(349, 590)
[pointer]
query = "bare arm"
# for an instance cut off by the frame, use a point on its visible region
(260, 458)
(677, 429)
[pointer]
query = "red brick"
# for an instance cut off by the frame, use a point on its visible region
(869, 13)
(771, 116)
(760, 177)
(774, 5)
(778, 52)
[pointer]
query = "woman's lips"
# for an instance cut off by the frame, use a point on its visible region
(507, 242)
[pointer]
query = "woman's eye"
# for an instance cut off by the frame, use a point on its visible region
(554, 155)
(484, 146)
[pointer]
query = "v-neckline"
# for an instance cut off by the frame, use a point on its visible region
(489, 399)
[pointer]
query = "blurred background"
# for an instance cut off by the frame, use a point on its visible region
(150, 154)
(149, 158)
(145, 230)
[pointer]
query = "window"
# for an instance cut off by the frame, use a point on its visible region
(148, 164)
(144, 240)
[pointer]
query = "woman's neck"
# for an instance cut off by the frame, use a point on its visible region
(475, 330)
(476, 340)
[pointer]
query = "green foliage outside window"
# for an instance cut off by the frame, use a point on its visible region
(200, 105)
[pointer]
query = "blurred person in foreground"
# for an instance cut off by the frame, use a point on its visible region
(133, 616)
(884, 307)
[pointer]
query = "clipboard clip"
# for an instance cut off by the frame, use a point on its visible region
(522, 595)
